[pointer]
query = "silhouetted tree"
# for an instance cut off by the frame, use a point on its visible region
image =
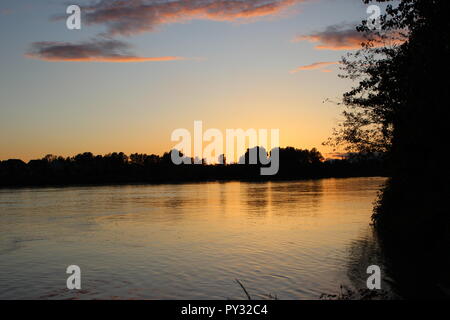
(86, 168)
(400, 106)
(221, 159)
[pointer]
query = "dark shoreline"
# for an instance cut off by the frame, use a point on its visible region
(118, 169)
(178, 182)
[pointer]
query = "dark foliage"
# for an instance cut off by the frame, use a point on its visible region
(87, 168)
(400, 106)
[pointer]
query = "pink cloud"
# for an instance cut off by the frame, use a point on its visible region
(315, 66)
(93, 51)
(137, 16)
(345, 37)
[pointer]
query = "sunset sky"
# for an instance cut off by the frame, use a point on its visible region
(135, 73)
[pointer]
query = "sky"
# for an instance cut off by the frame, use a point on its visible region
(137, 71)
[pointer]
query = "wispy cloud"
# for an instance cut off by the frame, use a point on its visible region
(315, 66)
(127, 18)
(137, 16)
(98, 51)
(346, 37)
(335, 37)
(5, 11)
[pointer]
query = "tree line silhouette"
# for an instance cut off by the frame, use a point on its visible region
(117, 167)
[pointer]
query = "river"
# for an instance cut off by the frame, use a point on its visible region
(290, 240)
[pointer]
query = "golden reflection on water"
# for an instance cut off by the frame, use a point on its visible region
(290, 239)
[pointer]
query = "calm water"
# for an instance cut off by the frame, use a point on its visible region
(294, 240)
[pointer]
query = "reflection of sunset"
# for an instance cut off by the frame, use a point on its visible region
(188, 240)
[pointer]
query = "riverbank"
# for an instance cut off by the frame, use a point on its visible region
(106, 171)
